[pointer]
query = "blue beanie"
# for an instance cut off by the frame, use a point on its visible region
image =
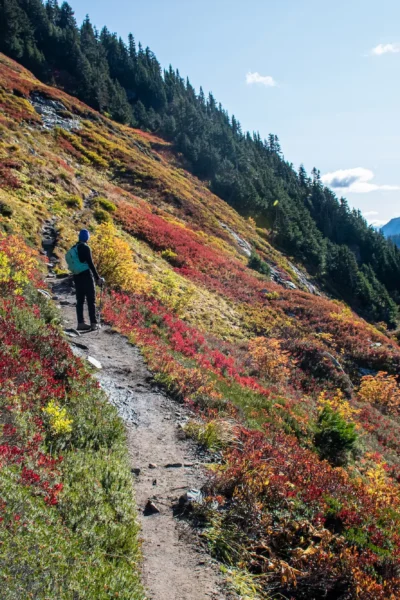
(84, 235)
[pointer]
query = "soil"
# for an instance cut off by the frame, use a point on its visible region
(175, 564)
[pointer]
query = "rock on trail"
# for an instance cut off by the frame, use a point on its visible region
(164, 466)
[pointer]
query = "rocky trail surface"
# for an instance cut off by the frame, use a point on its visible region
(164, 465)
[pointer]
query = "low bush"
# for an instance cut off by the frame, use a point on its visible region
(106, 204)
(258, 264)
(114, 259)
(73, 201)
(335, 438)
(101, 216)
(5, 210)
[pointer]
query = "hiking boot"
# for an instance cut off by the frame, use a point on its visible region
(83, 327)
(94, 326)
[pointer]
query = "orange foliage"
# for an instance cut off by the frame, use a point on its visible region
(382, 390)
(269, 359)
(339, 404)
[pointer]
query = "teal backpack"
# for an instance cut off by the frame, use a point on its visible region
(73, 262)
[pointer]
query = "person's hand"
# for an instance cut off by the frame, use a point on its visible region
(100, 282)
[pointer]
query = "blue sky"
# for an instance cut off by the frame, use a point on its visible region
(322, 75)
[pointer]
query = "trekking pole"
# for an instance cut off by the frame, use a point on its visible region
(100, 306)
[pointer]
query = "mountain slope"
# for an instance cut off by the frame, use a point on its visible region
(395, 239)
(392, 231)
(392, 228)
(304, 218)
(297, 393)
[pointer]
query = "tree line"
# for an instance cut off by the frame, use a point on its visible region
(124, 80)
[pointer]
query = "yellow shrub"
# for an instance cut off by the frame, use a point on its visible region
(58, 419)
(5, 269)
(169, 255)
(15, 267)
(382, 390)
(338, 404)
(269, 359)
(377, 481)
(115, 262)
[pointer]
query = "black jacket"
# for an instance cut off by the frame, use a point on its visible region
(85, 256)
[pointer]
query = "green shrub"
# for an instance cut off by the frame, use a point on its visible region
(5, 210)
(96, 159)
(170, 256)
(335, 438)
(101, 216)
(73, 201)
(105, 204)
(258, 264)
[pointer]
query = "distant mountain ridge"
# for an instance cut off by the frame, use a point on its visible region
(392, 228)
(391, 231)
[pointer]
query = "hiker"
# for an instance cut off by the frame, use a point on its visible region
(80, 263)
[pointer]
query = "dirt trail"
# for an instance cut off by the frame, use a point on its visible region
(174, 566)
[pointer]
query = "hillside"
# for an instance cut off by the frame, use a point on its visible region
(305, 219)
(298, 393)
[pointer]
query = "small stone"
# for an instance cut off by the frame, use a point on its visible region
(94, 362)
(150, 509)
(186, 500)
(79, 345)
(135, 471)
(152, 466)
(177, 465)
(154, 481)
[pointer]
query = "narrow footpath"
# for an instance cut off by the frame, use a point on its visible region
(164, 465)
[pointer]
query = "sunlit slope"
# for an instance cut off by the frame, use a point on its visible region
(231, 325)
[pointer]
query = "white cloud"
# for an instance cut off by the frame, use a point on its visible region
(377, 223)
(385, 49)
(267, 80)
(370, 217)
(357, 181)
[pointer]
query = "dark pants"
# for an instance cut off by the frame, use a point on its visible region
(85, 289)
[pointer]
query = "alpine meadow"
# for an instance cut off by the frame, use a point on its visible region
(258, 299)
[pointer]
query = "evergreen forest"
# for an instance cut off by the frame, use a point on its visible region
(125, 81)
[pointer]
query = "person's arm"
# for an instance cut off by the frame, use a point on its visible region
(86, 254)
(91, 265)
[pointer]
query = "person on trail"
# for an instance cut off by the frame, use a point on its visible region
(80, 263)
